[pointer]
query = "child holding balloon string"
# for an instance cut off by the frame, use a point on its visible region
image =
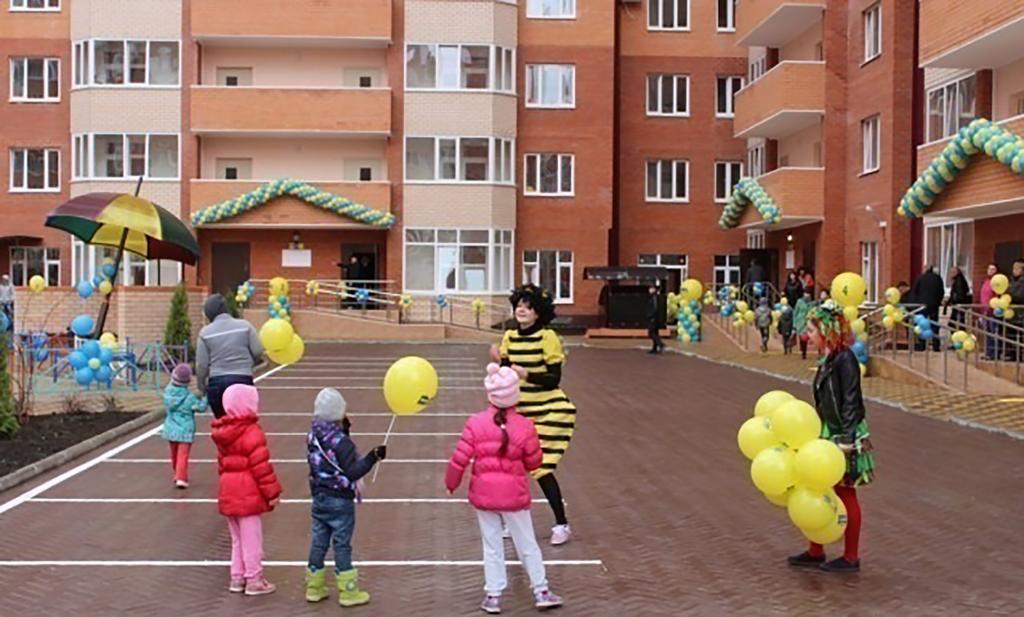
(840, 405)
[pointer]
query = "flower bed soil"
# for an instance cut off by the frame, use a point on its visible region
(42, 436)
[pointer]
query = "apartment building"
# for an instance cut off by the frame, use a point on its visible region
(973, 68)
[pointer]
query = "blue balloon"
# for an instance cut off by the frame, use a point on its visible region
(84, 289)
(927, 335)
(82, 325)
(106, 355)
(108, 270)
(84, 376)
(77, 360)
(104, 374)
(91, 349)
(96, 280)
(42, 354)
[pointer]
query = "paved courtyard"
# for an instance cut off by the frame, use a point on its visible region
(667, 521)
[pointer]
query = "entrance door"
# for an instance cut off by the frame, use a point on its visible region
(365, 266)
(230, 266)
(768, 259)
(1006, 253)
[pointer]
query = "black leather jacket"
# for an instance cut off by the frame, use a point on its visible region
(837, 395)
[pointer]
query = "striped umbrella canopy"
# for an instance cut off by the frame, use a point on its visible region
(104, 218)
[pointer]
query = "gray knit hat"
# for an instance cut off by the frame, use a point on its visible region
(330, 405)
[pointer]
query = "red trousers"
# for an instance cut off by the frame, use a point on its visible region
(179, 459)
(853, 519)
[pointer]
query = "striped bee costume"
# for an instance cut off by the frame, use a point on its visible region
(539, 350)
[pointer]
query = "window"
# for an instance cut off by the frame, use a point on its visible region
(873, 32)
(727, 270)
(676, 264)
(35, 5)
(755, 160)
(756, 238)
(550, 270)
(459, 159)
(869, 268)
(35, 170)
(726, 15)
(549, 174)
(458, 260)
(950, 244)
(668, 181)
(668, 14)
(551, 9)
(668, 95)
(951, 107)
(727, 89)
(727, 174)
(756, 69)
(233, 169)
(459, 67)
(35, 79)
(127, 63)
(872, 143)
(28, 261)
(126, 156)
(550, 85)
(87, 261)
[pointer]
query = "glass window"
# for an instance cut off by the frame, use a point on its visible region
(108, 62)
(727, 89)
(449, 61)
(668, 14)
(35, 5)
(563, 9)
(448, 153)
(550, 85)
(81, 49)
(667, 181)
(755, 160)
(551, 270)
(474, 159)
(727, 174)
(873, 32)
(163, 156)
(108, 156)
(951, 107)
(420, 66)
(461, 260)
(35, 169)
(28, 261)
(136, 62)
(137, 155)
(869, 269)
(549, 174)
(35, 79)
(419, 268)
(668, 95)
(871, 143)
(727, 270)
(163, 63)
(473, 266)
(475, 69)
(419, 158)
(726, 15)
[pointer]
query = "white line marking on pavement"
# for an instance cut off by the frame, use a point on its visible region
(102, 500)
(274, 461)
(275, 564)
(71, 473)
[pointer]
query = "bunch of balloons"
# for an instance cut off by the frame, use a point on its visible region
(362, 295)
(892, 314)
(964, 343)
(312, 288)
(792, 467)
(410, 385)
(442, 300)
(100, 282)
(283, 344)
(758, 289)
(478, 306)
(405, 301)
(1000, 305)
(244, 293)
(688, 322)
(923, 327)
(91, 362)
(709, 298)
(280, 307)
(744, 316)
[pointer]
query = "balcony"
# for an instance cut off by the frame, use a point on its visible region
(773, 23)
(798, 191)
(288, 112)
(788, 98)
(299, 23)
(288, 211)
(986, 188)
(971, 35)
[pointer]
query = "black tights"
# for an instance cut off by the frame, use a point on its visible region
(549, 485)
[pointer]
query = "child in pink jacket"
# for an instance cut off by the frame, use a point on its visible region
(503, 447)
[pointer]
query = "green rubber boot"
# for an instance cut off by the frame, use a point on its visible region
(349, 593)
(316, 585)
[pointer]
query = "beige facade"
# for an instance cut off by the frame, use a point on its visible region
(306, 67)
(117, 19)
(473, 114)
(431, 21)
(125, 110)
(464, 206)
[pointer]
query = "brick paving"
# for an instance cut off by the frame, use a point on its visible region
(656, 491)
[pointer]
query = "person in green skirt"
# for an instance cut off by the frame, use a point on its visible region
(840, 405)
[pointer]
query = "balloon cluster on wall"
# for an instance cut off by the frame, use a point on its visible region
(278, 304)
(747, 191)
(312, 288)
(244, 293)
(100, 282)
(964, 343)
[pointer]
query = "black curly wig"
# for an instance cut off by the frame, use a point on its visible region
(538, 299)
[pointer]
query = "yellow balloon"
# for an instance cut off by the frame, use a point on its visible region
(279, 286)
(107, 339)
(1005, 301)
(893, 295)
(691, 289)
(37, 283)
(772, 470)
(742, 307)
(756, 435)
(811, 508)
(106, 287)
(970, 345)
(784, 301)
(410, 385)
(888, 310)
(849, 289)
(820, 464)
(898, 316)
(770, 401)
(781, 500)
(863, 370)
(749, 316)
(959, 336)
(276, 334)
(290, 354)
(831, 532)
(888, 322)
(1000, 283)
(686, 338)
(851, 313)
(795, 423)
(994, 303)
(1008, 313)
(858, 326)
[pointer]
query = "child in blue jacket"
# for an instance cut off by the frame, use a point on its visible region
(180, 424)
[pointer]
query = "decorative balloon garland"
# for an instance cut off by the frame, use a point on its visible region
(747, 191)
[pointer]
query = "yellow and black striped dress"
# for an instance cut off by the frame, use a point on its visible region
(552, 413)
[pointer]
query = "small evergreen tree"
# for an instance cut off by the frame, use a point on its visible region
(8, 416)
(232, 304)
(179, 328)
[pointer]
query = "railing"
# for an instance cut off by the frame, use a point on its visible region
(746, 293)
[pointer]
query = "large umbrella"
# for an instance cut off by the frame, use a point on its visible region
(127, 223)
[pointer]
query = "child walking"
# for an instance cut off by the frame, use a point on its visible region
(763, 320)
(180, 424)
(335, 470)
(786, 329)
(248, 486)
(503, 447)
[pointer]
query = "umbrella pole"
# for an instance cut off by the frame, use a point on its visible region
(102, 320)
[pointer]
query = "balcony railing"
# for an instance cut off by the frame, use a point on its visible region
(270, 111)
(787, 99)
(296, 22)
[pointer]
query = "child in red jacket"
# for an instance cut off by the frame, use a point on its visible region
(248, 486)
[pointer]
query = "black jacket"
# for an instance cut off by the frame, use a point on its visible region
(960, 291)
(1016, 291)
(837, 395)
(793, 291)
(652, 310)
(929, 290)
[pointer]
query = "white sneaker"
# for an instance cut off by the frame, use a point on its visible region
(560, 534)
(181, 484)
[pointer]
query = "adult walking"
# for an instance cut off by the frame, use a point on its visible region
(929, 290)
(7, 301)
(959, 294)
(1016, 292)
(227, 351)
(992, 349)
(793, 289)
(756, 272)
(653, 321)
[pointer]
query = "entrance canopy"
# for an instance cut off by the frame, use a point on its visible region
(625, 273)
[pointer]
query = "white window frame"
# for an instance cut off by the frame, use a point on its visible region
(559, 266)
(674, 79)
(23, 97)
(85, 77)
(86, 271)
(872, 21)
(757, 68)
(495, 243)
(47, 262)
(46, 171)
(684, 268)
(950, 111)
(756, 238)
(494, 146)
(675, 181)
(660, 6)
(870, 269)
(730, 8)
(21, 6)
(871, 137)
(730, 271)
(569, 69)
(532, 13)
(493, 75)
(756, 160)
(731, 88)
(730, 182)
(956, 238)
(537, 182)
(89, 144)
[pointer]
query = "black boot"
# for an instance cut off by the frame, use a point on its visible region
(841, 565)
(806, 560)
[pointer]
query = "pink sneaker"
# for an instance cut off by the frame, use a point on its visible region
(237, 585)
(546, 599)
(560, 534)
(259, 587)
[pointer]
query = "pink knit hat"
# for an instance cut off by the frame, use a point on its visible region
(241, 400)
(502, 385)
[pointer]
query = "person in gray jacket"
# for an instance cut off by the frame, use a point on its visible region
(227, 351)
